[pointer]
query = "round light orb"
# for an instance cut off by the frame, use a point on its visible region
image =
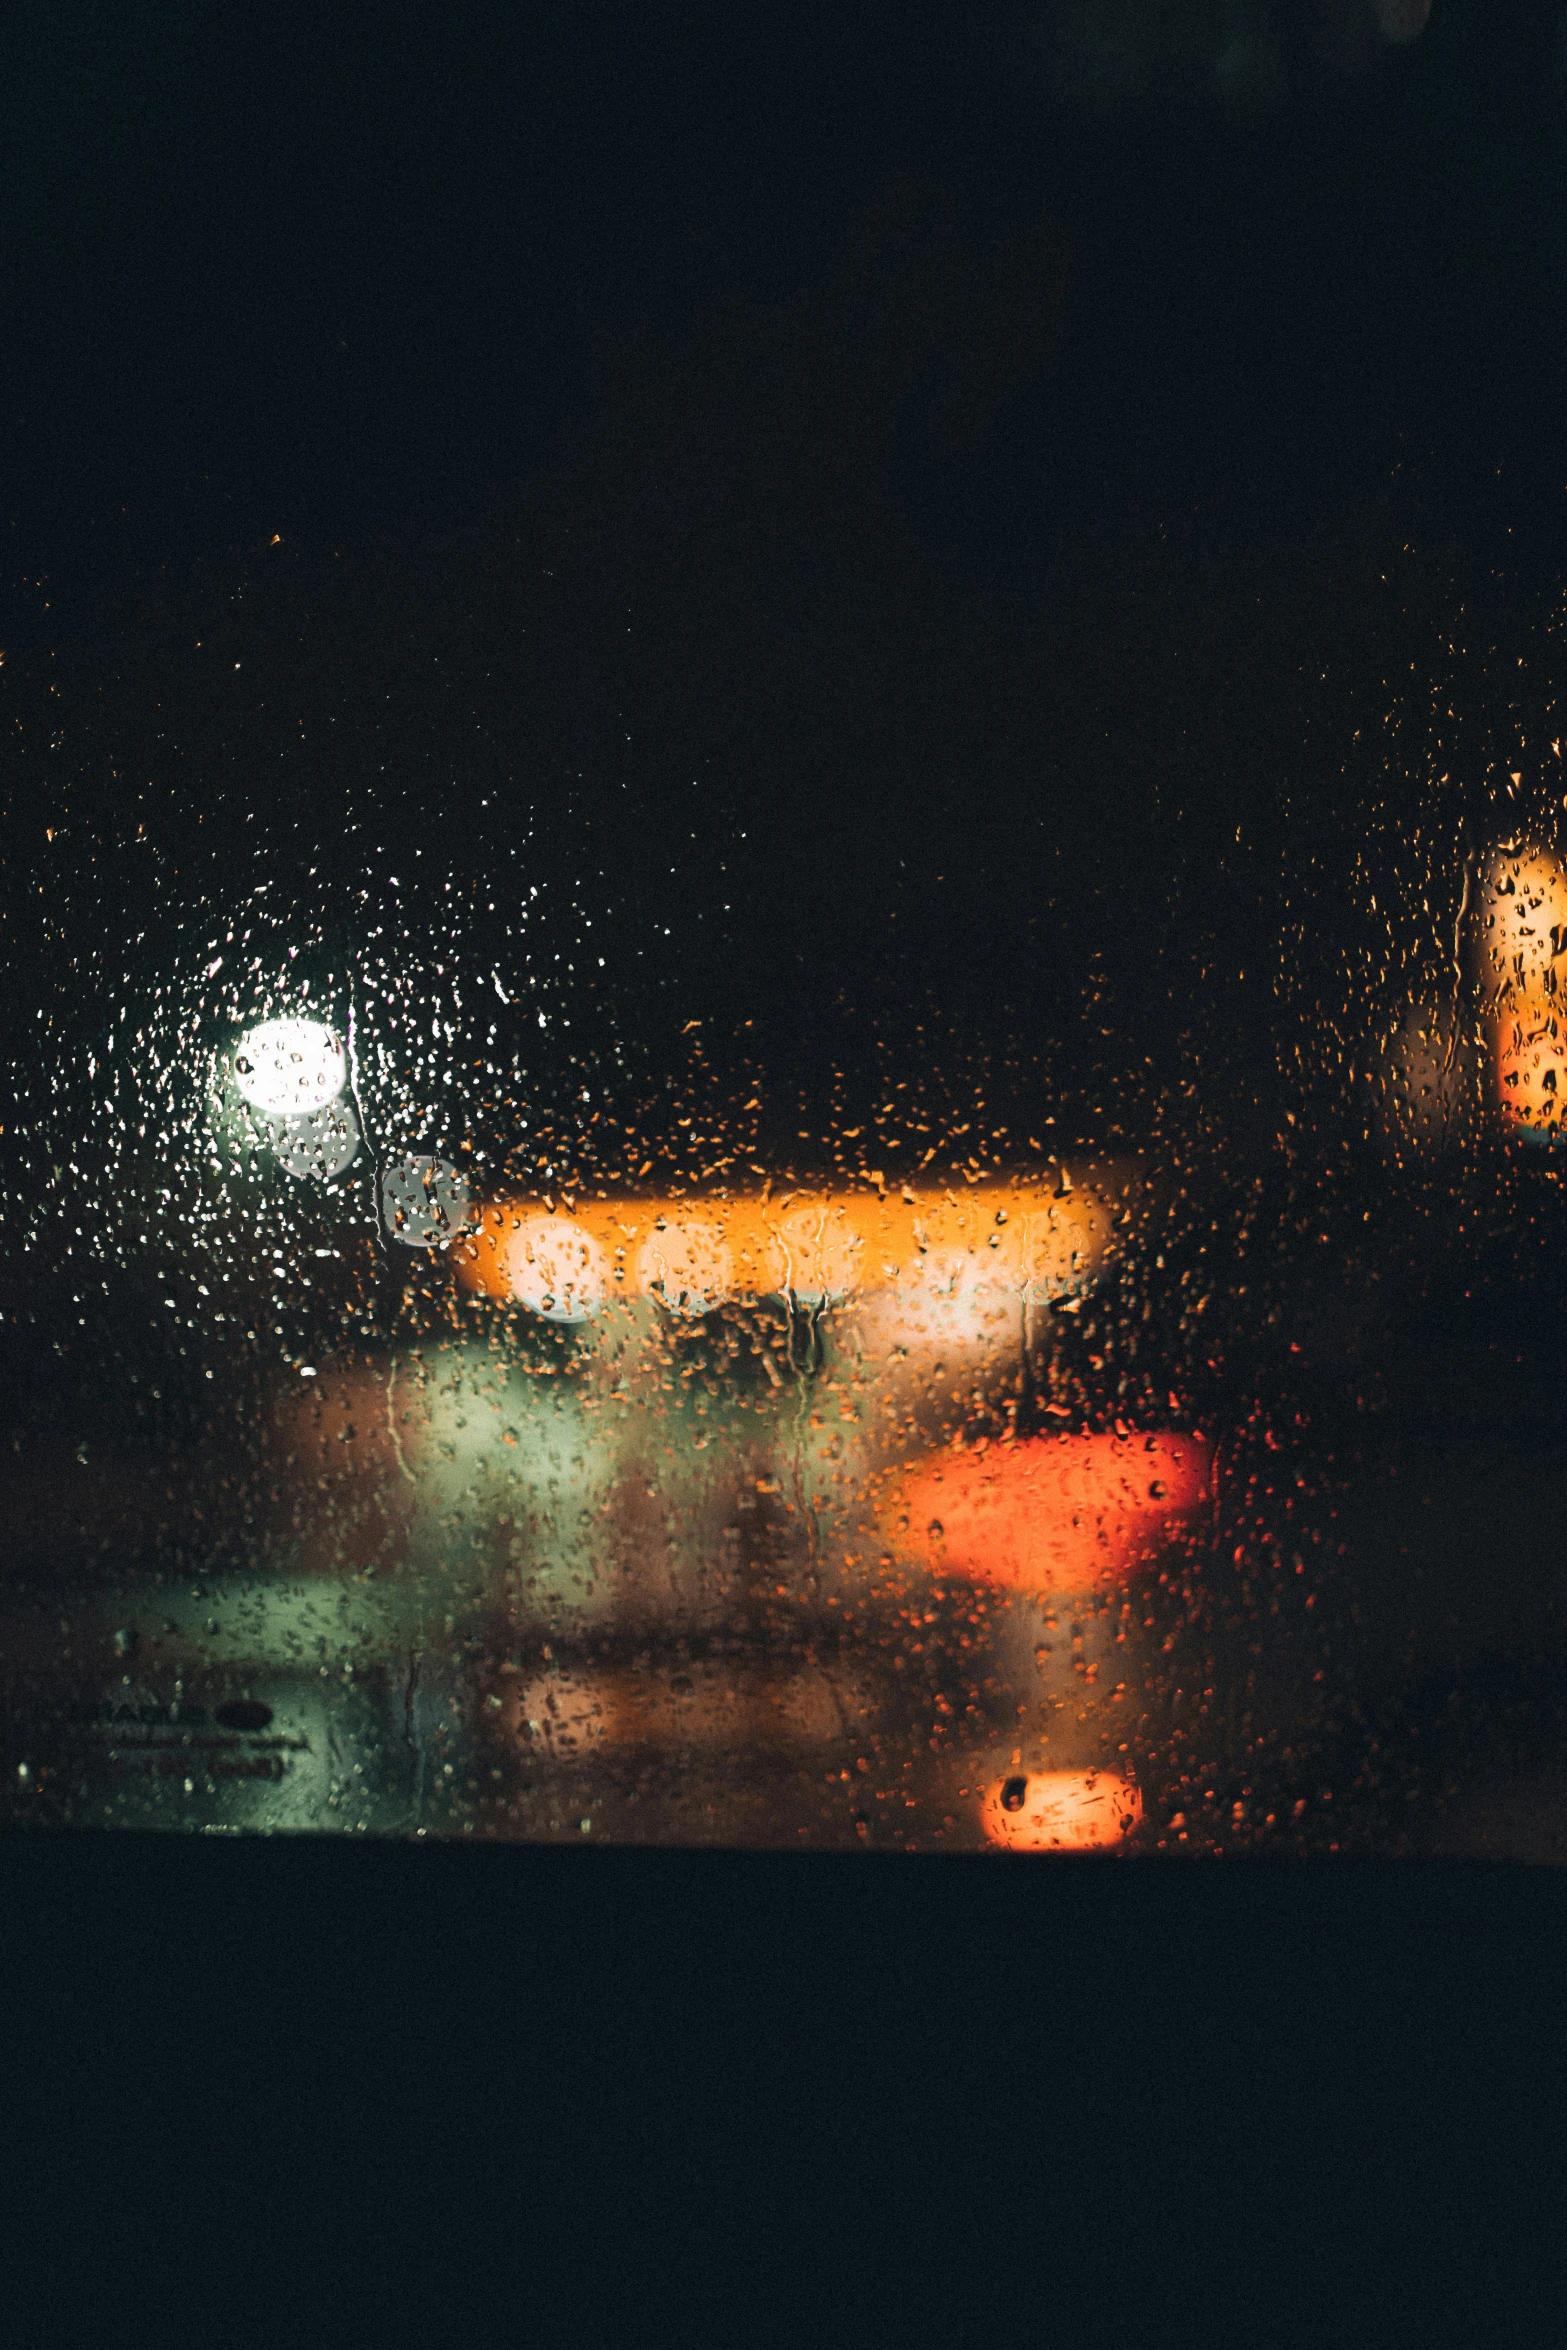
(322, 1145)
(688, 1266)
(1521, 917)
(556, 1269)
(1531, 1067)
(1059, 1811)
(290, 1068)
(424, 1201)
(953, 1304)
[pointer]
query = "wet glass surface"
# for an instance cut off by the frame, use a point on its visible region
(912, 1200)
(396, 1482)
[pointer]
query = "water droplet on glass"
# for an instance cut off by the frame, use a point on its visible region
(424, 1201)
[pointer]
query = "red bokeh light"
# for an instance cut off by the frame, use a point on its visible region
(1051, 1513)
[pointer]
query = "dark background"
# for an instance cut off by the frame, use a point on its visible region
(895, 505)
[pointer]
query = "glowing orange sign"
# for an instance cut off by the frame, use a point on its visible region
(1053, 1513)
(1060, 1811)
(569, 1259)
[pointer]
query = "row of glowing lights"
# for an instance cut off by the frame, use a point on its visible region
(566, 1268)
(294, 1071)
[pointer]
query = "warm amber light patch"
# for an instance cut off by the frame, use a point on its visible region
(1053, 1513)
(1060, 1811)
(1531, 1064)
(1519, 955)
(1521, 918)
(1038, 1242)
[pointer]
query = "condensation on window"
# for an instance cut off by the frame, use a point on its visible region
(448, 1402)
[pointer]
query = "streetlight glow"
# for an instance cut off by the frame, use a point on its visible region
(290, 1068)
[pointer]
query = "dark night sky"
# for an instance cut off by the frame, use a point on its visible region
(940, 474)
(348, 281)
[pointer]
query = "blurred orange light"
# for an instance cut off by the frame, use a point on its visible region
(1531, 1065)
(1060, 1811)
(818, 1245)
(1052, 1513)
(1521, 918)
(1521, 936)
(555, 1268)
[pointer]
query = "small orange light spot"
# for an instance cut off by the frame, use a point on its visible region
(1060, 1811)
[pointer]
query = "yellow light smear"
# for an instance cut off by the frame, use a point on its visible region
(818, 1244)
(1531, 1064)
(1521, 918)
(1522, 937)
(1060, 1811)
(1052, 1513)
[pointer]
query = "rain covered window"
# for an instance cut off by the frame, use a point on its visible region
(786, 1035)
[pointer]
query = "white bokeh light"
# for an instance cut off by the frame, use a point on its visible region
(424, 1201)
(556, 1269)
(323, 1145)
(290, 1068)
(688, 1266)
